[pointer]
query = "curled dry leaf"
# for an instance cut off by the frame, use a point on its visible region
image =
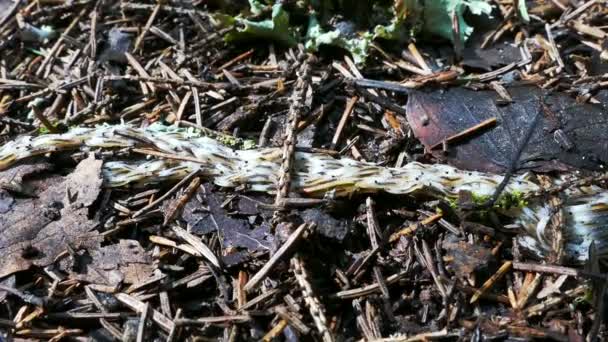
(235, 232)
(36, 230)
(467, 259)
(11, 181)
(568, 135)
(124, 262)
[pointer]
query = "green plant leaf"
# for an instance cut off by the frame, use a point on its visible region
(256, 7)
(396, 30)
(438, 16)
(523, 10)
(357, 46)
(276, 29)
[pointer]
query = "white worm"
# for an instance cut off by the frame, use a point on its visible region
(314, 174)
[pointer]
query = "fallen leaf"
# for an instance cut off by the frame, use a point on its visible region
(326, 225)
(235, 232)
(124, 262)
(467, 259)
(36, 230)
(568, 136)
(11, 182)
(497, 55)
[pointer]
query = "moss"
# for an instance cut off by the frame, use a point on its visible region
(249, 144)
(225, 139)
(452, 202)
(228, 140)
(506, 201)
(584, 299)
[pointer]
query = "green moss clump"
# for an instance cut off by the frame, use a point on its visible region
(506, 200)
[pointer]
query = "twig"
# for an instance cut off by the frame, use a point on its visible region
(574, 13)
(143, 319)
(197, 244)
(236, 59)
(217, 320)
(28, 298)
(59, 43)
(167, 194)
(413, 227)
(390, 86)
(314, 306)
(11, 11)
(555, 269)
(175, 328)
(275, 331)
(491, 281)
(383, 102)
(138, 306)
(198, 84)
(369, 289)
(297, 108)
(179, 203)
(466, 133)
(151, 19)
(261, 274)
(350, 105)
(45, 122)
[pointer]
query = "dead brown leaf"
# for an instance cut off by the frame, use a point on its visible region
(467, 259)
(124, 262)
(11, 181)
(36, 231)
(569, 135)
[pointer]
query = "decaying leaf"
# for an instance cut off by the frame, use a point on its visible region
(497, 55)
(124, 262)
(11, 181)
(326, 225)
(36, 230)
(467, 259)
(569, 135)
(234, 232)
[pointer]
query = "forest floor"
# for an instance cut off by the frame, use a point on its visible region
(191, 260)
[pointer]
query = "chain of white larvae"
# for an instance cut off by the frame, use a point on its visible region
(315, 174)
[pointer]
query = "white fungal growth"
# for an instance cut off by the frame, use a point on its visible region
(314, 174)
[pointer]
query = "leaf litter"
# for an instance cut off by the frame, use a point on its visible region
(58, 222)
(115, 274)
(205, 213)
(569, 135)
(36, 231)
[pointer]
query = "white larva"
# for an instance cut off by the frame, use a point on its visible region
(314, 174)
